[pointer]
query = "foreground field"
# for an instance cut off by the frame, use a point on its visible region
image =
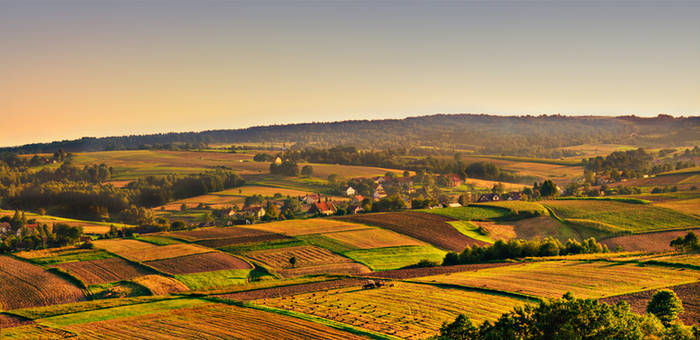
(408, 311)
(688, 293)
(25, 285)
(583, 279)
(181, 318)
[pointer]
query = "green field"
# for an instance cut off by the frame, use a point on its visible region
(470, 213)
(71, 255)
(519, 209)
(214, 280)
(395, 257)
(470, 229)
(158, 240)
(636, 218)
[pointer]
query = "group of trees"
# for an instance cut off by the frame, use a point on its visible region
(39, 236)
(514, 249)
(689, 243)
(288, 167)
(572, 318)
(637, 163)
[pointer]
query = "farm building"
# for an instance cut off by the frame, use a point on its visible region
(278, 161)
(256, 211)
(379, 193)
(350, 192)
(489, 198)
(514, 196)
(355, 208)
(311, 198)
(5, 227)
(453, 180)
(324, 208)
(454, 205)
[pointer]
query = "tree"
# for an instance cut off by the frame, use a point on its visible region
(66, 234)
(307, 171)
(688, 243)
(666, 305)
(461, 329)
(548, 189)
(293, 261)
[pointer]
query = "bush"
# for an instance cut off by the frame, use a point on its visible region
(666, 305)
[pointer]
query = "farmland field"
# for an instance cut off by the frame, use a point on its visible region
(626, 216)
(89, 227)
(142, 251)
(103, 271)
(197, 320)
(527, 229)
(215, 233)
(425, 227)
(470, 213)
(25, 285)
(198, 263)
(583, 279)
(518, 208)
(308, 226)
(310, 260)
(294, 289)
(688, 293)
(406, 310)
(61, 255)
(373, 238)
(396, 257)
(656, 241)
(160, 285)
(215, 279)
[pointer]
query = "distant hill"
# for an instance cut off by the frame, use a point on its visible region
(486, 134)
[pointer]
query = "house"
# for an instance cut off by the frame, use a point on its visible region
(453, 180)
(379, 193)
(5, 227)
(454, 205)
(355, 208)
(30, 227)
(358, 198)
(489, 198)
(228, 213)
(324, 208)
(379, 180)
(350, 192)
(515, 196)
(277, 161)
(311, 198)
(256, 211)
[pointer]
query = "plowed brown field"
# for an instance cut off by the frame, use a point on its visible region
(105, 270)
(26, 285)
(198, 263)
(425, 227)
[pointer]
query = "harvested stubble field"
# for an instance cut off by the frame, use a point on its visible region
(160, 285)
(410, 273)
(636, 218)
(276, 292)
(395, 257)
(682, 259)
(406, 310)
(103, 271)
(310, 260)
(234, 241)
(425, 227)
(308, 226)
(373, 238)
(219, 279)
(34, 331)
(25, 285)
(688, 293)
(656, 241)
(198, 263)
(142, 251)
(583, 279)
(208, 321)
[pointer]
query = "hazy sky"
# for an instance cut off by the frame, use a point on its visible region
(93, 68)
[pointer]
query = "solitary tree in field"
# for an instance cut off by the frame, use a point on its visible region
(307, 170)
(293, 261)
(666, 305)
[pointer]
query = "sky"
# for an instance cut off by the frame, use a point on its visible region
(70, 69)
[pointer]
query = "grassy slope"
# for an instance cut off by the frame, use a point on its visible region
(395, 257)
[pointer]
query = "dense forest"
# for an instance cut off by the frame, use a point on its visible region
(536, 136)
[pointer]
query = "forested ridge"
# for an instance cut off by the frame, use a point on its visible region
(538, 136)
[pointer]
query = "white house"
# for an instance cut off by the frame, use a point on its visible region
(350, 192)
